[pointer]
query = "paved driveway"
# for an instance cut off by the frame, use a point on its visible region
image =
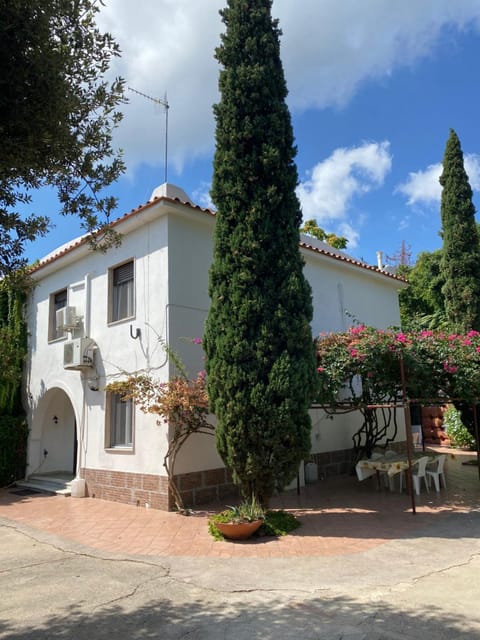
(361, 567)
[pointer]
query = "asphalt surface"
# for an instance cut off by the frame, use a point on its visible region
(423, 586)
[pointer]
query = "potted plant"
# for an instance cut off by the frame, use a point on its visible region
(240, 522)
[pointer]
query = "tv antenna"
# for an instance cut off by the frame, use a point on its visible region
(162, 103)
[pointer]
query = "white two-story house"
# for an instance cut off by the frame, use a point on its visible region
(93, 318)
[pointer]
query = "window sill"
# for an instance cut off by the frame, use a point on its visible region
(113, 323)
(120, 449)
(54, 340)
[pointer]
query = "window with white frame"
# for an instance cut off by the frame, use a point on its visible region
(58, 300)
(122, 292)
(119, 422)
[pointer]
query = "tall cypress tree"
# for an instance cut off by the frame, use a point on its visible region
(461, 250)
(260, 359)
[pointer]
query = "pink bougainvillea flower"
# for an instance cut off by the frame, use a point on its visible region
(357, 330)
(450, 368)
(320, 369)
(426, 334)
(401, 337)
(197, 340)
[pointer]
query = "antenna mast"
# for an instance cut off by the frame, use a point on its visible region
(163, 103)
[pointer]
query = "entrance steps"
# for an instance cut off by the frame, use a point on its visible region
(57, 482)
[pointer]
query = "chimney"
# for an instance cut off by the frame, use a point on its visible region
(379, 259)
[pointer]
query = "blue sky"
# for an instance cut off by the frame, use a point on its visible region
(374, 88)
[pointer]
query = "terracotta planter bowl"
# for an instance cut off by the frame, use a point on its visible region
(238, 530)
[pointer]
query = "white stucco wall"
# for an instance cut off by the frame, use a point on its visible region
(337, 287)
(171, 245)
(345, 295)
(86, 279)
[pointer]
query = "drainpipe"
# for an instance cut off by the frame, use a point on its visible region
(78, 484)
(88, 304)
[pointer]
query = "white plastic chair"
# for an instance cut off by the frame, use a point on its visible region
(438, 472)
(389, 481)
(419, 471)
(390, 453)
(363, 474)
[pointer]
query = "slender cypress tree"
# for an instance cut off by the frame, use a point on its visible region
(461, 250)
(258, 343)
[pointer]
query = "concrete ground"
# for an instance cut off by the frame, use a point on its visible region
(360, 567)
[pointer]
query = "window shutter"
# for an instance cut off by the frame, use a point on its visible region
(123, 273)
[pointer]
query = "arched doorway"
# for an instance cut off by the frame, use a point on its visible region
(53, 442)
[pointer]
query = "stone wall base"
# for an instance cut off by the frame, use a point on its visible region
(337, 463)
(202, 487)
(196, 488)
(333, 463)
(139, 489)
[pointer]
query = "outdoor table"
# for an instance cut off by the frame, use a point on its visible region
(391, 465)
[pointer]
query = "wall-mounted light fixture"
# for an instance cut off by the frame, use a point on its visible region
(55, 420)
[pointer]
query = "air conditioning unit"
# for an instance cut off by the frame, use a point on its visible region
(66, 318)
(78, 353)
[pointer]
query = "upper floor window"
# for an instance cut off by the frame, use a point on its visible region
(119, 422)
(58, 300)
(122, 298)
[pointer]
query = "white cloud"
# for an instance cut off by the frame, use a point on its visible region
(329, 49)
(333, 183)
(472, 167)
(201, 196)
(423, 187)
(347, 231)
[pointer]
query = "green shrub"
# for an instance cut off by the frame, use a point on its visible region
(13, 448)
(276, 523)
(458, 433)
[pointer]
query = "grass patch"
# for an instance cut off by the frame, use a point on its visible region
(279, 523)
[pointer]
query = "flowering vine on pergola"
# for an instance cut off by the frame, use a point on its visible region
(361, 370)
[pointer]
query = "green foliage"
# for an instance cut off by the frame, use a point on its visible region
(460, 262)
(260, 358)
(444, 286)
(458, 433)
(361, 368)
(311, 228)
(279, 523)
(180, 402)
(13, 341)
(436, 365)
(247, 511)
(13, 351)
(275, 523)
(13, 448)
(422, 302)
(56, 118)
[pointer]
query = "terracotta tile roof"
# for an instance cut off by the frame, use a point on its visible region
(56, 254)
(83, 240)
(343, 257)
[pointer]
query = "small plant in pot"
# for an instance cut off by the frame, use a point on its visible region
(238, 523)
